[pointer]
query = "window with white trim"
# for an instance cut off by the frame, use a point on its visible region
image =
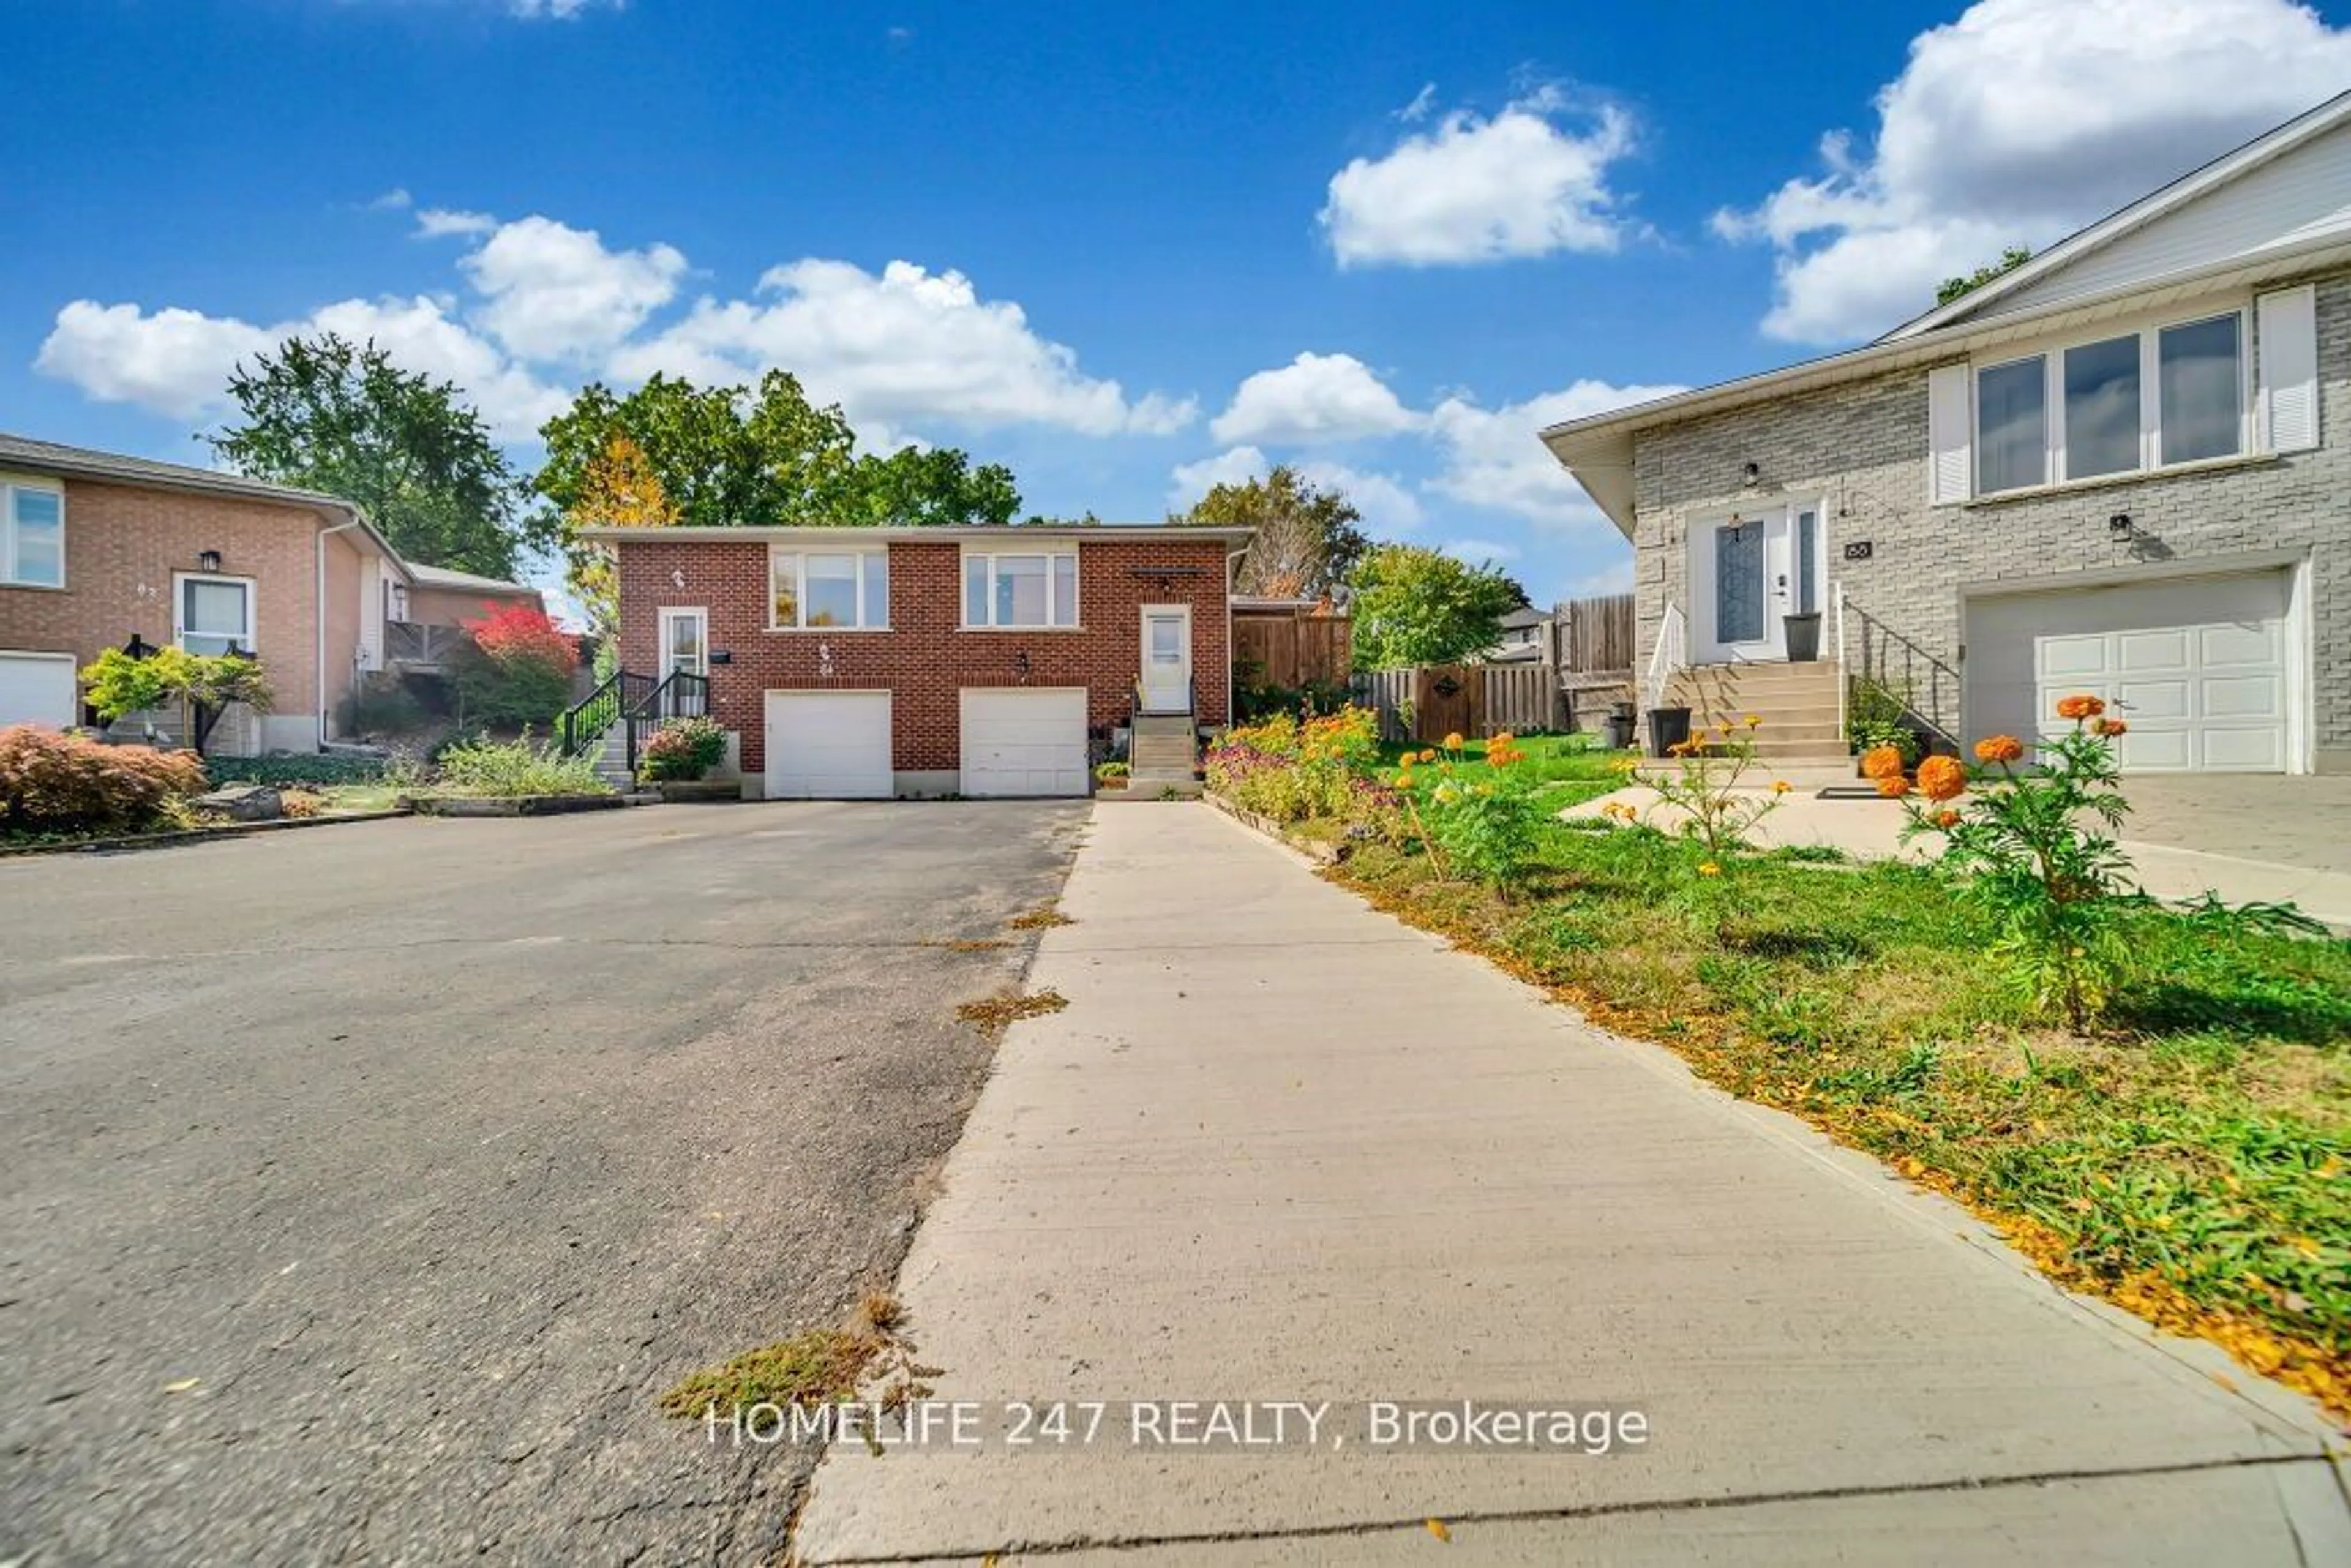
(835, 590)
(213, 614)
(32, 536)
(1026, 590)
(2120, 404)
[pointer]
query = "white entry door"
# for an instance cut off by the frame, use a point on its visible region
(1748, 573)
(2197, 668)
(1167, 658)
(828, 746)
(1024, 740)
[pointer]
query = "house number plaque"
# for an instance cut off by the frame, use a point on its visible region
(1859, 549)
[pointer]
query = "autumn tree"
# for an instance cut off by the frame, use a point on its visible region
(618, 489)
(1307, 538)
(324, 413)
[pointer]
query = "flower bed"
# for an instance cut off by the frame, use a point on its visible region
(2170, 1128)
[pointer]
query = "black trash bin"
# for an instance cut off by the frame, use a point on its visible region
(1669, 728)
(1620, 730)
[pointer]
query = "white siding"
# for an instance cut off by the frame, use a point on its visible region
(2302, 195)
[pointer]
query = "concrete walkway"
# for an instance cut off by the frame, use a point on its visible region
(1281, 1148)
(2308, 871)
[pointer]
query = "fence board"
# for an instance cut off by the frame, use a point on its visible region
(1292, 647)
(1600, 635)
(1486, 699)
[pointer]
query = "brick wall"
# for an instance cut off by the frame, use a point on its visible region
(122, 545)
(1864, 446)
(925, 658)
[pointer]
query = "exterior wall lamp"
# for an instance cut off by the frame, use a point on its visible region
(208, 561)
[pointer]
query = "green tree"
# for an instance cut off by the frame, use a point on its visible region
(1307, 538)
(327, 414)
(2012, 258)
(1418, 606)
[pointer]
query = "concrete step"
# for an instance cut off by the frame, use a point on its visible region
(1166, 724)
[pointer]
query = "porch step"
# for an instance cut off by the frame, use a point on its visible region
(1176, 757)
(1179, 725)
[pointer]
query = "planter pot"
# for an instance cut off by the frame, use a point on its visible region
(1803, 633)
(1669, 728)
(1620, 728)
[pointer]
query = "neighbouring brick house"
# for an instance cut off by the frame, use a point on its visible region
(98, 549)
(929, 661)
(2120, 469)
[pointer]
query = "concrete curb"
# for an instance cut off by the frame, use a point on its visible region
(514, 805)
(193, 835)
(1322, 853)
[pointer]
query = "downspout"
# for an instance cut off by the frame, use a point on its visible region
(318, 617)
(1233, 559)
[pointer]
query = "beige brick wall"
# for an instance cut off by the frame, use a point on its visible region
(124, 542)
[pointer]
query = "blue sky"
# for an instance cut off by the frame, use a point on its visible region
(1123, 249)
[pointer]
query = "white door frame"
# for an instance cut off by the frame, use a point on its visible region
(671, 615)
(1143, 632)
(1780, 576)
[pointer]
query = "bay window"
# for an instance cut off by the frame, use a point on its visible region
(32, 537)
(1027, 590)
(841, 591)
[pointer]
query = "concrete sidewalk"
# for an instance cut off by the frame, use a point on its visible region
(1281, 1148)
(1871, 830)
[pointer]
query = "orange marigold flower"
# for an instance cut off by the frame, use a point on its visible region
(2080, 705)
(1882, 762)
(1941, 778)
(1453, 741)
(2110, 728)
(1893, 786)
(1781, 785)
(1708, 868)
(1428, 754)
(1502, 740)
(1755, 721)
(1947, 818)
(1999, 749)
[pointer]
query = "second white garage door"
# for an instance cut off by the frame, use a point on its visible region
(1024, 741)
(828, 746)
(36, 688)
(2196, 666)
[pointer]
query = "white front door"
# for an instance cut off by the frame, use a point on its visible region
(828, 746)
(1167, 658)
(1024, 740)
(2197, 667)
(684, 650)
(1748, 571)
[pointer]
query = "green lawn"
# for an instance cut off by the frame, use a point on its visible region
(1570, 769)
(2192, 1160)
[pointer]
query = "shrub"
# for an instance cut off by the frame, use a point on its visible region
(1491, 829)
(381, 705)
(52, 783)
(115, 683)
(515, 667)
(2027, 842)
(1876, 717)
(326, 768)
(683, 749)
(511, 768)
(1292, 770)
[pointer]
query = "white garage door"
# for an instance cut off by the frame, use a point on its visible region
(2197, 667)
(1024, 741)
(36, 688)
(828, 746)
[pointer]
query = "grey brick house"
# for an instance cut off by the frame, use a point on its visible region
(2122, 469)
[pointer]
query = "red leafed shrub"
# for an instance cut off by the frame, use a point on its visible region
(519, 670)
(519, 633)
(54, 783)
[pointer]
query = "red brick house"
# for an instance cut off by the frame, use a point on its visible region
(98, 549)
(865, 663)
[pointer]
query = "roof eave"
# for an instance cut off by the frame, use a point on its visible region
(946, 534)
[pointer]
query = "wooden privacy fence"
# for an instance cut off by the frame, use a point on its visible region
(1474, 700)
(1599, 635)
(1292, 646)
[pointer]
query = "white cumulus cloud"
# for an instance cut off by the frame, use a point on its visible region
(1492, 458)
(904, 346)
(440, 223)
(553, 292)
(2017, 123)
(1530, 180)
(1387, 504)
(1315, 397)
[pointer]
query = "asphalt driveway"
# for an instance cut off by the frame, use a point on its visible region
(364, 1187)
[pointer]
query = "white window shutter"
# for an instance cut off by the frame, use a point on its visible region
(1950, 451)
(2286, 324)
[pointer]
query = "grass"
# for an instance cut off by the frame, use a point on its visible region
(821, 1367)
(2192, 1161)
(1567, 769)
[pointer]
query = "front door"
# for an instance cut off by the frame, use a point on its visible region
(1167, 658)
(1752, 572)
(685, 649)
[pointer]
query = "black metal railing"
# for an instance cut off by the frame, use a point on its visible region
(683, 694)
(586, 721)
(1889, 669)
